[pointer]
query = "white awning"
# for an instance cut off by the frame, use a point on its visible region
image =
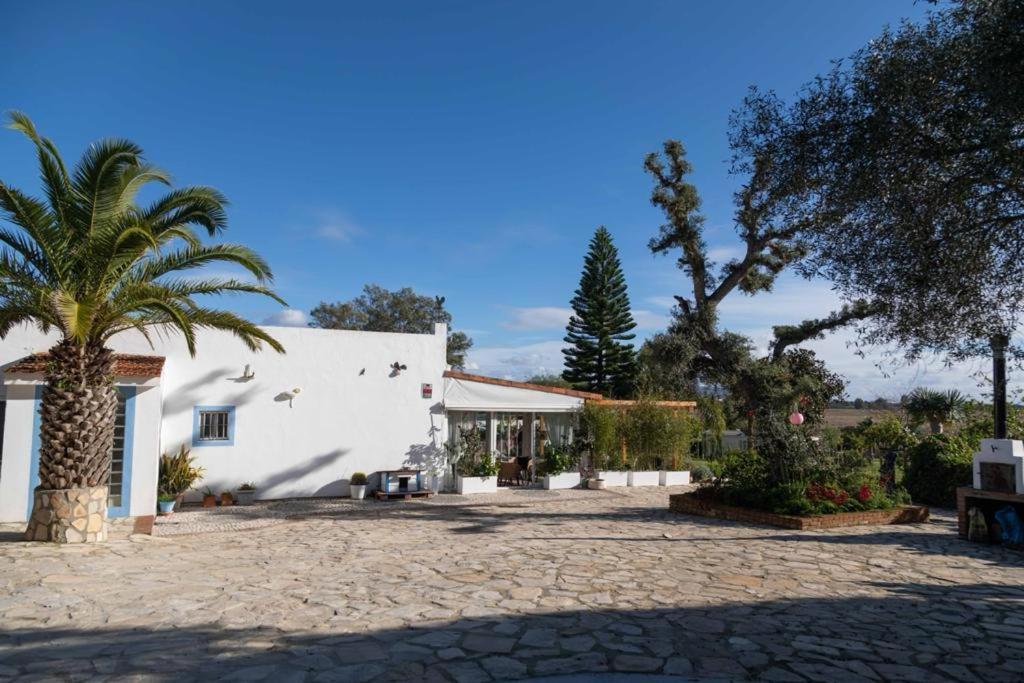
(463, 394)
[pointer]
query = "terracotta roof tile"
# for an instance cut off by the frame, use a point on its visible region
(125, 365)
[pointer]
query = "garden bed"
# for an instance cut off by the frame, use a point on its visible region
(702, 505)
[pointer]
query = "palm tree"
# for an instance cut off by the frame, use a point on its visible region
(934, 407)
(90, 263)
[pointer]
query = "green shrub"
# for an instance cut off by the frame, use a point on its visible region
(936, 467)
(557, 461)
(656, 437)
(358, 479)
(701, 471)
(178, 473)
(599, 435)
(485, 466)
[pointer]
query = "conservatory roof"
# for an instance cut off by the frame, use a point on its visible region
(463, 391)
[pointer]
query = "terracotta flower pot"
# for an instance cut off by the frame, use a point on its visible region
(226, 499)
(209, 501)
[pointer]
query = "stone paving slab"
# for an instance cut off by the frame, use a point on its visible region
(514, 587)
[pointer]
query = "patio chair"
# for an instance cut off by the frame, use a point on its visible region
(508, 470)
(524, 468)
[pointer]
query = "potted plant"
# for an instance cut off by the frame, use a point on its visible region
(165, 504)
(475, 468)
(357, 486)
(177, 474)
(226, 498)
(559, 472)
(674, 475)
(246, 493)
(209, 499)
(479, 476)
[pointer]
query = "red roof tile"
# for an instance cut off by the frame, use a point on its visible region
(125, 365)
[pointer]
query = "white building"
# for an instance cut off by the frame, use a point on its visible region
(297, 424)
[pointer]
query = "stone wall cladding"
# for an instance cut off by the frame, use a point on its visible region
(691, 504)
(69, 516)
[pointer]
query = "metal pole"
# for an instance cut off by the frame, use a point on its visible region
(999, 344)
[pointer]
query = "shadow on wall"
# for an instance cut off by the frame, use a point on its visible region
(197, 392)
(277, 485)
(747, 639)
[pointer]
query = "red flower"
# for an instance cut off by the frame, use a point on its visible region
(864, 494)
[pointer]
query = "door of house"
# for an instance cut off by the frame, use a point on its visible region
(119, 483)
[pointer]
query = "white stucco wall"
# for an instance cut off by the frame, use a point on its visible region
(351, 414)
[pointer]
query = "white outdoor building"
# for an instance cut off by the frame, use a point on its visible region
(296, 425)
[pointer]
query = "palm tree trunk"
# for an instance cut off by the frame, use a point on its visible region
(936, 426)
(78, 410)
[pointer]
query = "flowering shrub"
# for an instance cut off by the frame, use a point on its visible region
(789, 474)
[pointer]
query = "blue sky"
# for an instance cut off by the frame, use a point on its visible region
(466, 149)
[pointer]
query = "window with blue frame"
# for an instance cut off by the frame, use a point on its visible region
(213, 426)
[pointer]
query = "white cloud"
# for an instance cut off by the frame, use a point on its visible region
(724, 253)
(289, 317)
(554, 317)
(336, 226)
(666, 302)
(537, 318)
(649, 320)
(517, 362)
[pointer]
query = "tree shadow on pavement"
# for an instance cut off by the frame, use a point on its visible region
(902, 631)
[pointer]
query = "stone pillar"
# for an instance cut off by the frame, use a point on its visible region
(69, 516)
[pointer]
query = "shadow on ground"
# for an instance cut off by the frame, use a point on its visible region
(532, 518)
(915, 632)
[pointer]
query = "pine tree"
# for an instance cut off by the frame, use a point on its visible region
(598, 360)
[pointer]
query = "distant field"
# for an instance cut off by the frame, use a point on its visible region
(850, 417)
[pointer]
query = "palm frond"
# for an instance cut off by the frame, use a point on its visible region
(38, 224)
(193, 205)
(93, 263)
(54, 173)
(97, 178)
(195, 257)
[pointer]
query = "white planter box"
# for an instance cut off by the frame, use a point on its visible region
(467, 485)
(614, 478)
(565, 480)
(643, 478)
(244, 497)
(670, 478)
(357, 491)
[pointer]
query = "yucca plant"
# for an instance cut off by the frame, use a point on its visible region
(90, 262)
(934, 407)
(178, 473)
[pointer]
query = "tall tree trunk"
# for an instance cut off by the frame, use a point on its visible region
(79, 405)
(936, 426)
(78, 410)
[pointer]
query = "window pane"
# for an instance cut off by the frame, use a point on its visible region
(213, 425)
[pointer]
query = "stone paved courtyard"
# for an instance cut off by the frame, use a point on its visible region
(525, 584)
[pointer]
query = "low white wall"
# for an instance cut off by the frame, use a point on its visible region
(352, 414)
(14, 470)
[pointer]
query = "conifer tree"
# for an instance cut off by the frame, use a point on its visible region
(598, 358)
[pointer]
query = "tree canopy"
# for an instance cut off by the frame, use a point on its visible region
(90, 262)
(904, 169)
(694, 351)
(403, 310)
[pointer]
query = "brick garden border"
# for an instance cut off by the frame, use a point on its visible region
(694, 504)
